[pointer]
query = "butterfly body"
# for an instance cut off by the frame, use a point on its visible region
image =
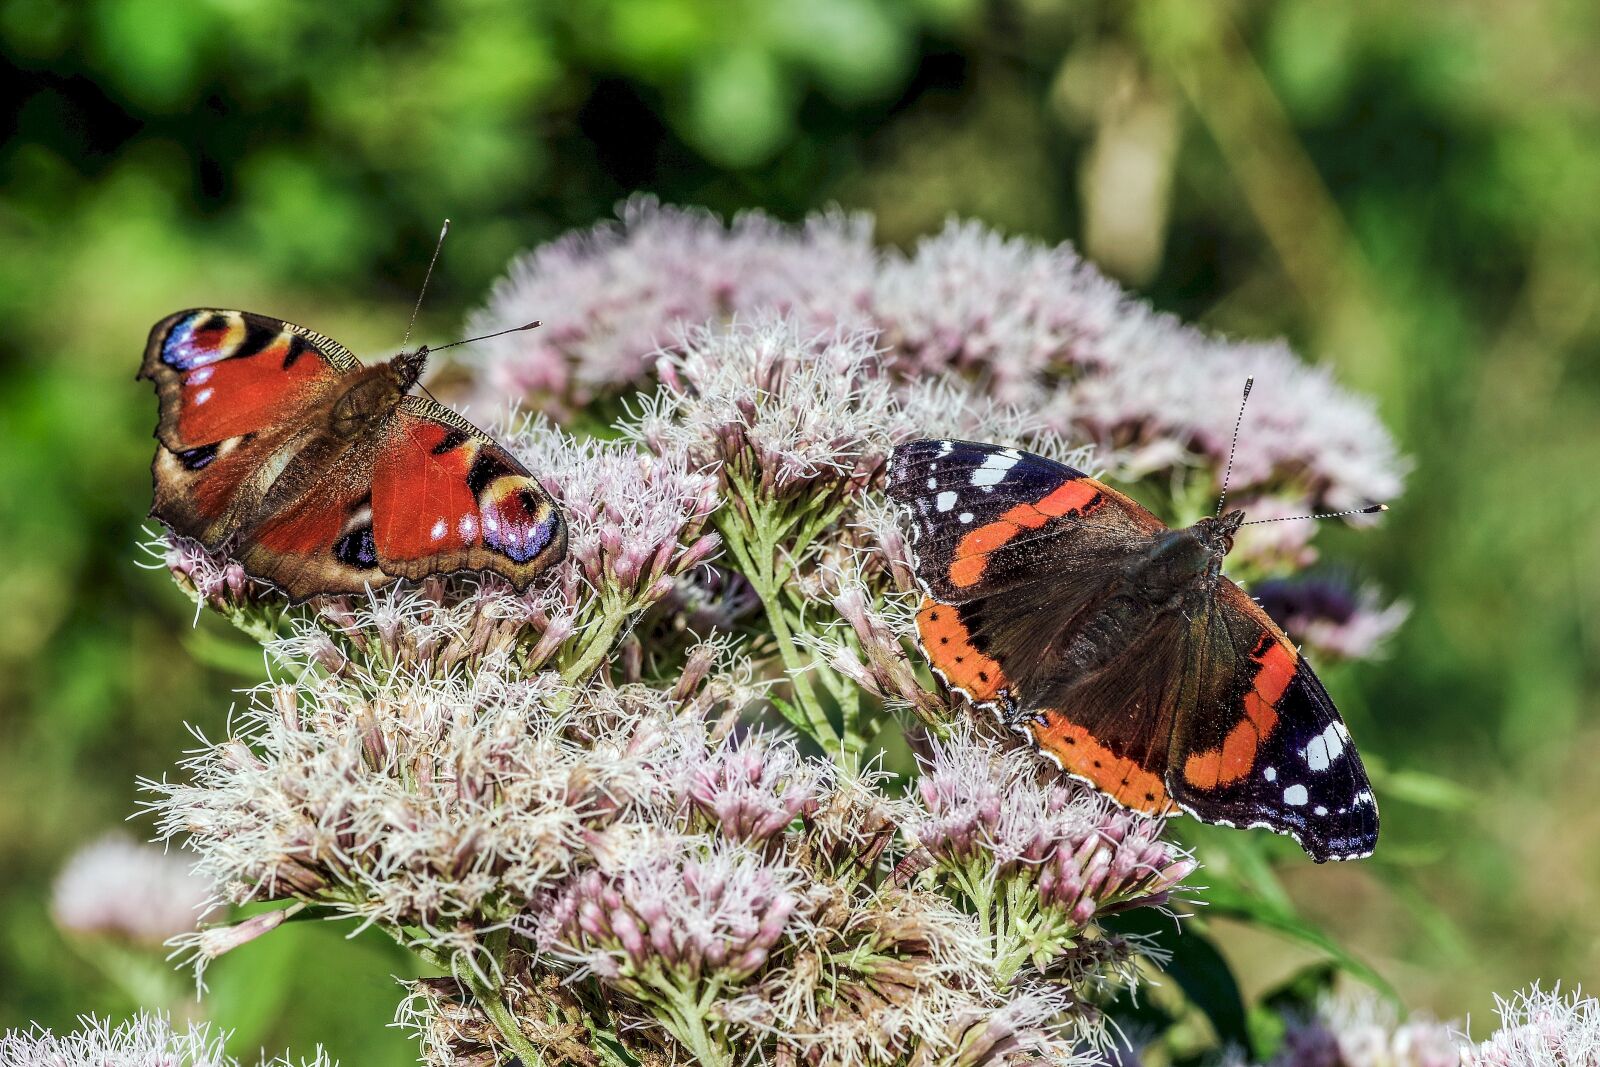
(322, 475)
(1120, 650)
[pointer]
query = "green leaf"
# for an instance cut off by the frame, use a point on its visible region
(1227, 900)
(220, 652)
(1197, 968)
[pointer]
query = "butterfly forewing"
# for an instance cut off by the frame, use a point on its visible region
(1266, 747)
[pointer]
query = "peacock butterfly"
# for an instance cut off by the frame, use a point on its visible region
(321, 475)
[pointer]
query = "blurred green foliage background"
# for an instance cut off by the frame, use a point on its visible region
(1408, 192)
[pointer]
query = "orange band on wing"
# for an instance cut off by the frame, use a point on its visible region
(1236, 757)
(972, 554)
(948, 646)
(1119, 777)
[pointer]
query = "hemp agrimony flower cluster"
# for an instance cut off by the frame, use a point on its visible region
(639, 813)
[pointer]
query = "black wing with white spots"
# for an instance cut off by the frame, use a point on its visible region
(1273, 751)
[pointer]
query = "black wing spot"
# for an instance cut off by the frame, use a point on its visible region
(944, 640)
(1097, 763)
(1149, 796)
(256, 338)
(357, 549)
(197, 458)
(933, 615)
(451, 440)
(217, 321)
(983, 676)
(298, 346)
(485, 469)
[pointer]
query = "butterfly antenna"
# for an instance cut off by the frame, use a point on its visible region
(1233, 446)
(1370, 509)
(484, 337)
(445, 229)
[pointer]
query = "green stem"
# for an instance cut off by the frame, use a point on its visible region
(494, 1006)
(755, 550)
(491, 997)
(613, 617)
(688, 1025)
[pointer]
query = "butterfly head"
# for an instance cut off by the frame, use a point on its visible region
(407, 367)
(1216, 532)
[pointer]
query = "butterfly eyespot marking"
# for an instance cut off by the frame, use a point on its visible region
(356, 549)
(195, 459)
(485, 469)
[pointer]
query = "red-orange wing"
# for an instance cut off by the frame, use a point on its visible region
(446, 497)
(225, 374)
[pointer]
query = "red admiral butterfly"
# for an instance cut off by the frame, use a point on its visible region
(321, 475)
(1118, 648)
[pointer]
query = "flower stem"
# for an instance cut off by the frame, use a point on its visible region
(494, 1006)
(491, 997)
(754, 546)
(613, 616)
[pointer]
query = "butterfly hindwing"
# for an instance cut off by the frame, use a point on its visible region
(319, 543)
(446, 497)
(1266, 747)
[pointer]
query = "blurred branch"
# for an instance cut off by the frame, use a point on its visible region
(1201, 49)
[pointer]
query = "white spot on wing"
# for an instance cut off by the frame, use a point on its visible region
(993, 470)
(203, 395)
(1270, 774)
(438, 530)
(467, 527)
(965, 517)
(933, 483)
(1295, 796)
(1324, 748)
(946, 501)
(1320, 810)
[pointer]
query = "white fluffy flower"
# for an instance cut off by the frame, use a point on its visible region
(146, 1040)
